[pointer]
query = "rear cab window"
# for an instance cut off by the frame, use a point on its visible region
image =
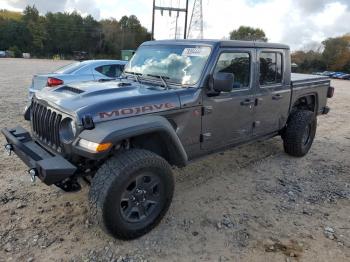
(68, 69)
(110, 70)
(271, 68)
(237, 63)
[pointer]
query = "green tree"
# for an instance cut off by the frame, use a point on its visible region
(247, 33)
(68, 32)
(336, 53)
(309, 61)
(133, 33)
(111, 32)
(16, 52)
(36, 26)
(14, 33)
(62, 33)
(92, 35)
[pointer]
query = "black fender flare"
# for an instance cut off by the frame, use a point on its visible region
(115, 131)
(308, 97)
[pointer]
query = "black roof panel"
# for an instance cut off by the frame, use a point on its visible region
(222, 43)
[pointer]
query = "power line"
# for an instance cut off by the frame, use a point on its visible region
(175, 27)
(171, 9)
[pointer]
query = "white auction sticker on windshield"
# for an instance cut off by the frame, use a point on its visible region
(196, 51)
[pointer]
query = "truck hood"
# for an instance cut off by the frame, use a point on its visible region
(109, 100)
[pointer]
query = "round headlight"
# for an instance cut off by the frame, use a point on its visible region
(67, 130)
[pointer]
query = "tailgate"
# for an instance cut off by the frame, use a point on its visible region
(314, 86)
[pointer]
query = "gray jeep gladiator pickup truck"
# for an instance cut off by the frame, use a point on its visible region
(175, 102)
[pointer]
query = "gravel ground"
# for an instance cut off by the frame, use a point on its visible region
(252, 203)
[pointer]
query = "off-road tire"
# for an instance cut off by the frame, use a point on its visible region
(110, 181)
(294, 141)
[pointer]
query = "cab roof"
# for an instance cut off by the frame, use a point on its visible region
(220, 43)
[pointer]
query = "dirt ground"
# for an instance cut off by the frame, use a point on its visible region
(252, 203)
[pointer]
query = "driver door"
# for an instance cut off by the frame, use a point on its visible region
(228, 117)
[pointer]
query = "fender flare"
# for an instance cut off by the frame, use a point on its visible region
(115, 131)
(307, 96)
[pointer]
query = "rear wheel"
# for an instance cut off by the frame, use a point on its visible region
(299, 133)
(131, 193)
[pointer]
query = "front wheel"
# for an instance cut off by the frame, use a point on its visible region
(299, 133)
(131, 193)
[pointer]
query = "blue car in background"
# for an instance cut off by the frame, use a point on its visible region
(328, 73)
(345, 77)
(89, 70)
(337, 75)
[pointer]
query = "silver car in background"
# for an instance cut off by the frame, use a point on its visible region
(89, 70)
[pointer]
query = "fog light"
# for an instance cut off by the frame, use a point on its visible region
(8, 149)
(33, 174)
(94, 147)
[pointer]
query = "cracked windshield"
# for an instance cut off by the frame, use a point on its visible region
(180, 65)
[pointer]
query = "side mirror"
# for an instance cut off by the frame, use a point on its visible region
(222, 82)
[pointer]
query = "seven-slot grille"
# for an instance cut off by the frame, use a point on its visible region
(46, 124)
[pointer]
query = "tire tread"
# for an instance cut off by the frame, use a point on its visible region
(112, 170)
(292, 136)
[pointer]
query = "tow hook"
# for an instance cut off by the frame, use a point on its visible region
(8, 149)
(33, 174)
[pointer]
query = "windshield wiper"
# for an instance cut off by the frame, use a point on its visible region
(162, 78)
(136, 75)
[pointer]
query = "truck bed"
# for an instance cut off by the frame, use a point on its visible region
(298, 78)
(304, 84)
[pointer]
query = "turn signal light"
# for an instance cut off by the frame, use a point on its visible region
(103, 147)
(94, 147)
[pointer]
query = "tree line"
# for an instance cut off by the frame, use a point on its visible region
(61, 34)
(334, 55)
(247, 33)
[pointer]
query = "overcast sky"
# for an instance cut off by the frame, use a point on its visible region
(298, 23)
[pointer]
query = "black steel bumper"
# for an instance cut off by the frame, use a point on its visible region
(49, 167)
(326, 110)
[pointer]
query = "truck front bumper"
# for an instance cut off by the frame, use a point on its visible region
(49, 167)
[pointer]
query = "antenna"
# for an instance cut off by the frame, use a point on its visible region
(195, 29)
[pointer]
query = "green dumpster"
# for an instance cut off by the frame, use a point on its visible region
(127, 54)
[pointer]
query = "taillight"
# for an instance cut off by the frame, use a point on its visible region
(330, 92)
(51, 81)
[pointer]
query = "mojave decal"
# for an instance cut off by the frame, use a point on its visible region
(136, 110)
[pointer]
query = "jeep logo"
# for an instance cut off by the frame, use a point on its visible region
(136, 110)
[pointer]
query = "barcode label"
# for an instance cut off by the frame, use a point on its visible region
(197, 51)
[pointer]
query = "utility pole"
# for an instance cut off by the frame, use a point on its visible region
(153, 15)
(185, 31)
(170, 9)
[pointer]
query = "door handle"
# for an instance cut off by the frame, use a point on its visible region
(277, 97)
(258, 101)
(247, 102)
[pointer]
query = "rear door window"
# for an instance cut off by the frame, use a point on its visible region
(110, 70)
(270, 68)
